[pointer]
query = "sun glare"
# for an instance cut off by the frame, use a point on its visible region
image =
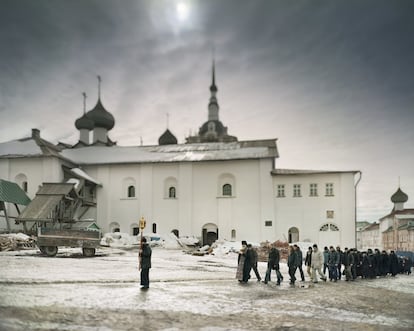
(182, 11)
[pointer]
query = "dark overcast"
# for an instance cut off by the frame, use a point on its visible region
(332, 80)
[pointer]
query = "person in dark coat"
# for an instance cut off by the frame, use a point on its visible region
(308, 261)
(385, 263)
(273, 264)
(255, 258)
(240, 262)
(393, 264)
(145, 256)
(292, 264)
(333, 261)
(341, 262)
(247, 264)
(299, 261)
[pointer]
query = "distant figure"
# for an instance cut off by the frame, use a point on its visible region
(240, 261)
(308, 261)
(254, 262)
(273, 264)
(333, 261)
(292, 264)
(145, 255)
(316, 264)
(325, 259)
(299, 261)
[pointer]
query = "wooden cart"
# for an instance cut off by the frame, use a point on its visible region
(49, 239)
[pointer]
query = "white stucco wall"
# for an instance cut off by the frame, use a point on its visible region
(308, 213)
(198, 202)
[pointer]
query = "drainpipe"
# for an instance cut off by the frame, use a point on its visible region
(355, 185)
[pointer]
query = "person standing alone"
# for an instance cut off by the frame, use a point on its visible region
(145, 256)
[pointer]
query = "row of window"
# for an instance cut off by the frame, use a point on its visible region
(313, 190)
(226, 190)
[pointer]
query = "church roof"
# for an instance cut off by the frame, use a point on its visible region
(308, 172)
(399, 197)
(101, 117)
(167, 138)
(84, 122)
(256, 149)
(29, 147)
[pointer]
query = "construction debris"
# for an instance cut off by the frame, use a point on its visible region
(16, 241)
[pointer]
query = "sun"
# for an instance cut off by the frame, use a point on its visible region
(182, 11)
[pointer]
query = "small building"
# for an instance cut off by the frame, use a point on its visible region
(397, 231)
(371, 237)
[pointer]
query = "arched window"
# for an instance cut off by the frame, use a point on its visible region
(171, 192)
(131, 191)
(134, 229)
(233, 234)
(226, 185)
(129, 188)
(21, 180)
(293, 235)
(329, 227)
(227, 190)
(171, 188)
(154, 227)
(114, 227)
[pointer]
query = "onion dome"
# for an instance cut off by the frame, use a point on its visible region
(84, 123)
(101, 117)
(167, 138)
(399, 197)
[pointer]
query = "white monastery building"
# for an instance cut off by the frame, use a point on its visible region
(213, 186)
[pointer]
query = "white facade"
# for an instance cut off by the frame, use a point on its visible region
(307, 212)
(139, 186)
(214, 186)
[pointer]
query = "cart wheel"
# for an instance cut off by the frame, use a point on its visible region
(42, 250)
(50, 250)
(88, 251)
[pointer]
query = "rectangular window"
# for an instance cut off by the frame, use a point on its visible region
(329, 189)
(313, 190)
(296, 190)
(268, 223)
(281, 191)
(329, 214)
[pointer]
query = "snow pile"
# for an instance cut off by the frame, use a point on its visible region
(169, 241)
(119, 239)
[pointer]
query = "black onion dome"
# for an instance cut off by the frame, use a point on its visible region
(101, 117)
(399, 196)
(84, 123)
(167, 138)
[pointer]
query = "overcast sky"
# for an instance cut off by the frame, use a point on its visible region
(332, 80)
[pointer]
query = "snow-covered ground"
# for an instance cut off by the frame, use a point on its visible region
(187, 292)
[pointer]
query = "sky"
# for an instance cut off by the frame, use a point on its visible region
(333, 81)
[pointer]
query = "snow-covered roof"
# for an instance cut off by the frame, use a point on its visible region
(172, 153)
(82, 174)
(308, 172)
(20, 148)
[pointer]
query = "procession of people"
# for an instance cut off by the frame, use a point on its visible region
(331, 264)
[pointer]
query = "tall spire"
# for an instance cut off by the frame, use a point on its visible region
(213, 107)
(99, 87)
(84, 103)
(213, 87)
